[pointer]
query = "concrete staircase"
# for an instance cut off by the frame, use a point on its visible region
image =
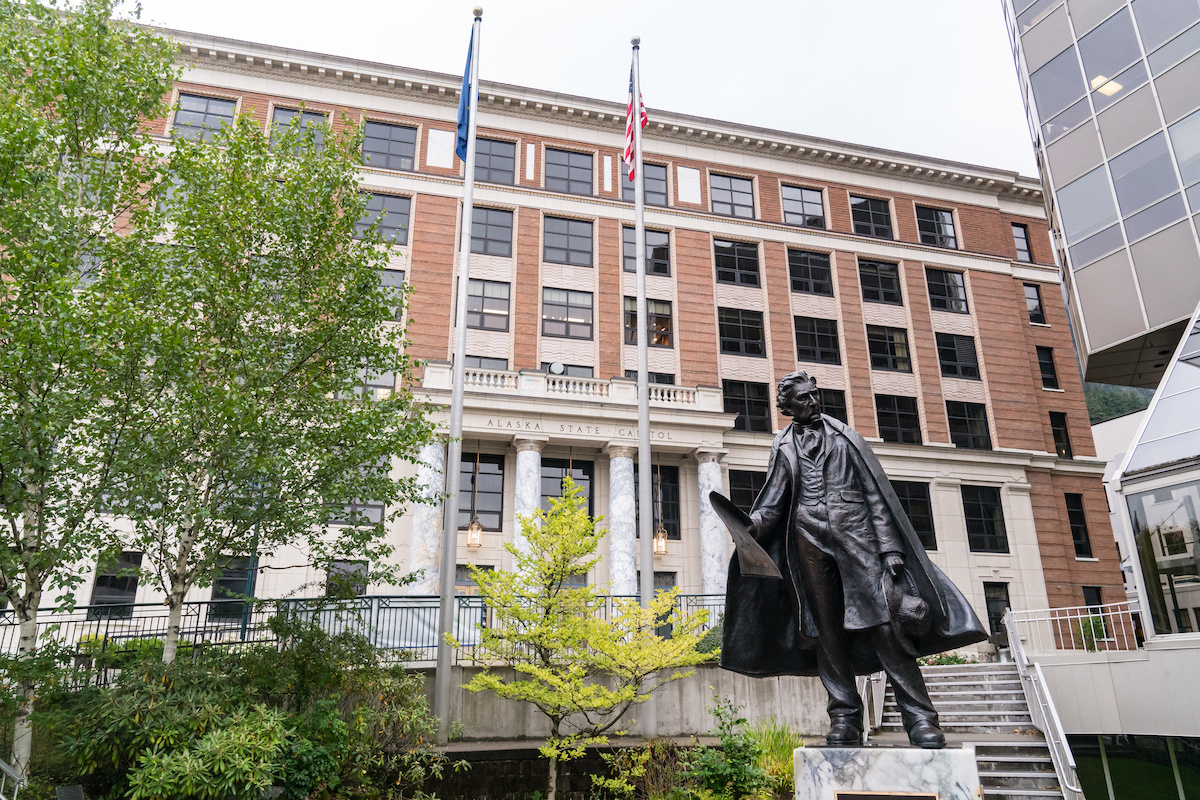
(984, 705)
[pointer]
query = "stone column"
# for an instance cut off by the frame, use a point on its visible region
(424, 552)
(622, 521)
(528, 492)
(714, 559)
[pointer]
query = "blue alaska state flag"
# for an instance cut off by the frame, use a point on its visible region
(464, 105)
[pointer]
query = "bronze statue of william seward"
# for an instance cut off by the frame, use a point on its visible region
(857, 594)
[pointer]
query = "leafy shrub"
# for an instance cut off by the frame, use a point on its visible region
(108, 653)
(710, 642)
(945, 660)
(776, 741)
(654, 770)
(732, 771)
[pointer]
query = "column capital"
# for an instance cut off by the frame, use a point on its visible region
(709, 455)
(619, 449)
(535, 443)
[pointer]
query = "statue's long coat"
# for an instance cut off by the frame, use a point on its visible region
(766, 631)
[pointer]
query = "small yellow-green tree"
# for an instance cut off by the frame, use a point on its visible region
(583, 669)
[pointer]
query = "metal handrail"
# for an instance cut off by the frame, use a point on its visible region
(7, 773)
(1043, 712)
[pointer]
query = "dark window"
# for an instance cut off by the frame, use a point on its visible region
(367, 512)
(1079, 529)
(115, 588)
(660, 378)
(744, 486)
(880, 282)
(969, 425)
(344, 578)
(810, 272)
(392, 213)
(1062, 438)
(654, 183)
(741, 332)
(567, 314)
(803, 207)
(871, 217)
(200, 117)
(487, 305)
(491, 232)
(985, 519)
(392, 281)
(308, 119)
(658, 322)
(1045, 357)
(751, 402)
(737, 262)
(833, 403)
(888, 348)
(567, 241)
(732, 196)
(481, 493)
(1021, 240)
(1033, 302)
(553, 472)
(485, 362)
(664, 484)
(658, 251)
(232, 582)
(995, 597)
(568, 172)
(936, 227)
(817, 340)
(1092, 597)
(464, 581)
(898, 419)
(570, 370)
(495, 161)
(914, 499)
(947, 291)
(957, 356)
(389, 146)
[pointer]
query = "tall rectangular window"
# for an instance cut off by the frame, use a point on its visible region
(346, 578)
(568, 172)
(389, 146)
(888, 348)
(898, 419)
(871, 217)
(804, 207)
(231, 583)
(1062, 437)
(752, 404)
(491, 232)
(947, 290)
(495, 161)
(741, 332)
(392, 213)
(817, 340)
(969, 425)
(984, 513)
(308, 119)
(936, 227)
(554, 470)
(664, 497)
(914, 499)
(1078, 522)
(115, 589)
(995, 598)
(658, 251)
(810, 273)
(481, 490)
(200, 117)
(567, 241)
(654, 183)
(744, 486)
(833, 403)
(392, 281)
(1021, 240)
(658, 322)
(1045, 357)
(737, 262)
(487, 305)
(880, 282)
(1033, 304)
(566, 314)
(957, 357)
(733, 197)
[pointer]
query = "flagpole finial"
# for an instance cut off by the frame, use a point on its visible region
(478, 12)
(635, 41)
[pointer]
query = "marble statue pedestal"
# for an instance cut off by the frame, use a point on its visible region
(884, 773)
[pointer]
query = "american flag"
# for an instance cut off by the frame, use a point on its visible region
(629, 154)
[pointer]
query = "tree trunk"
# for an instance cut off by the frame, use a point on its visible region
(552, 789)
(22, 748)
(174, 619)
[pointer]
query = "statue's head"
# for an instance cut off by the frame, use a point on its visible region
(797, 397)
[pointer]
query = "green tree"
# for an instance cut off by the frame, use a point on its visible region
(580, 668)
(76, 87)
(271, 319)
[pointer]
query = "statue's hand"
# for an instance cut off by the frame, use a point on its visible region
(893, 563)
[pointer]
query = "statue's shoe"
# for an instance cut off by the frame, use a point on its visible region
(926, 734)
(844, 733)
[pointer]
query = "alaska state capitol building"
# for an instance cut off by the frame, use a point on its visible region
(921, 293)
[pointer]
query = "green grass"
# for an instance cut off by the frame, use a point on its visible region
(1135, 779)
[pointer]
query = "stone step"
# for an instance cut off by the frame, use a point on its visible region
(961, 704)
(974, 688)
(969, 716)
(1014, 694)
(1012, 793)
(1015, 763)
(967, 669)
(959, 728)
(1019, 780)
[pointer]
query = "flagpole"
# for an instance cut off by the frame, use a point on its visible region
(441, 686)
(646, 518)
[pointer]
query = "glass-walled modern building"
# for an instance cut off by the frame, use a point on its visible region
(1112, 90)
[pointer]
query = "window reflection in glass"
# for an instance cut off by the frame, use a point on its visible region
(1159, 20)
(1109, 49)
(1143, 174)
(1086, 206)
(1058, 84)
(1111, 91)
(1165, 526)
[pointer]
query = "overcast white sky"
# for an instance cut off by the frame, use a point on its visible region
(933, 77)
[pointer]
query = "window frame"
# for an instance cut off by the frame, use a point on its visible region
(1062, 435)
(933, 233)
(1077, 522)
(1022, 239)
(983, 536)
(963, 419)
(571, 235)
(655, 265)
(874, 290)
(387, 157)
(479, 363)
(907, 493)
(733, 193)
(400, 237)
(805, 203)
(489, 155)
(1046, 367)
(798, 282)
(482, 312)
(569, 181)
(898, 433)
(731, 332)
(827, 397)
(647, 194)
(950, 357)
(583, 472)
(737, 269)
(225, 606)
(745, 420)
(346, 577)
(468, 495)
(870, 225)
(203, 130)
(487, 225)
(883, 350)
(303, 113)
(568, 306)
(746, 483)
(944, 299)
(1040, 309)
(656, 334)
(662, 475)
(826, 345)
(118, 593)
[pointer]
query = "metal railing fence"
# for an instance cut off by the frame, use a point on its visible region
(1089, 629)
